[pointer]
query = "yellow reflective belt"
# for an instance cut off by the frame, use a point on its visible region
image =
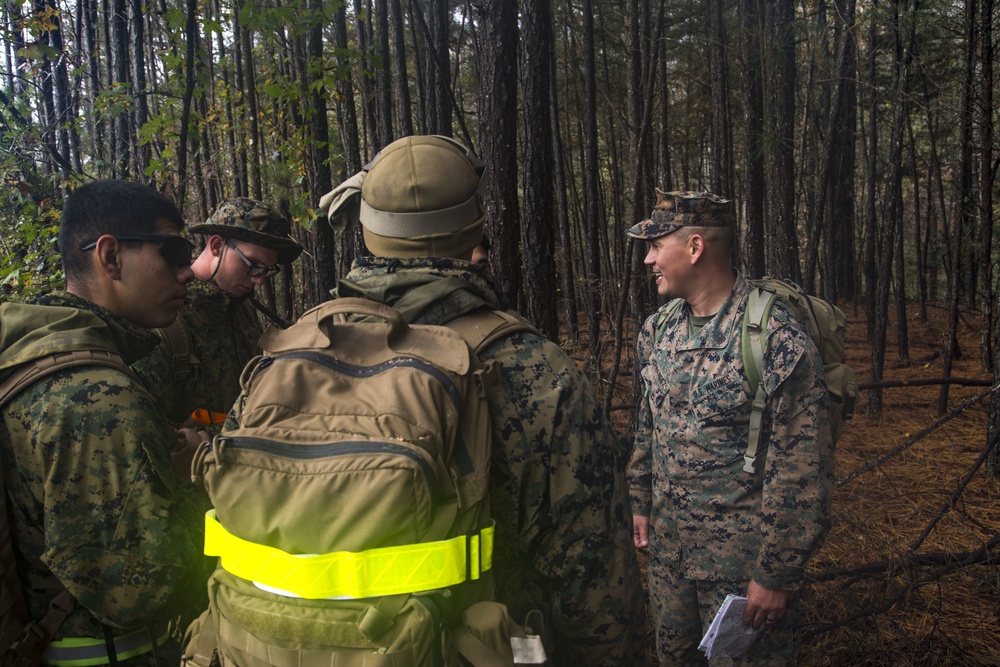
(87, 651)
(386, 571)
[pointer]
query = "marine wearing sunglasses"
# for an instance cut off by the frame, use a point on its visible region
(177, 250)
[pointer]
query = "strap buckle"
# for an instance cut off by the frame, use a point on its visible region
(748, 463)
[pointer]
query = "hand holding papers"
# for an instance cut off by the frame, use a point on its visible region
(726, 637)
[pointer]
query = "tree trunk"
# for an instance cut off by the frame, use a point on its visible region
(593, 219)
(876, 328)
(752, 91)
(782, 242)
(383, 76)
(252, 113)
(498, 135)
(565, 248)
(966, 205)
(352, 242)
(120, 38)
(842, 266)
(986, 176)
(191, 42)
(400, 78)
(321, 180)
(723, 178)
(143, 151)
(538, 238)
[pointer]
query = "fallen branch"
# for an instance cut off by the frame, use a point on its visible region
(949, 562)
(912, 440)
(990, 442)
(923, 382)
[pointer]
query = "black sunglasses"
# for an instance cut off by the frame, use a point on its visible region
(254, 270)
(177, 250)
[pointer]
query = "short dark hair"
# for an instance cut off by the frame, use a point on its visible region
(109, 207)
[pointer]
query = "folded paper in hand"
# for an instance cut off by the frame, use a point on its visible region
(726, 637)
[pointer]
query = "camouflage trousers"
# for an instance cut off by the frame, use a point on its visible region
(682, 609)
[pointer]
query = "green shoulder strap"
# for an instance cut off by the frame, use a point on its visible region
(755, 318)
(661, 321)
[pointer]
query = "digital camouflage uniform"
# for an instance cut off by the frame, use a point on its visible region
(94, 503)
(224, 331)
(712, 525)
(557, 487)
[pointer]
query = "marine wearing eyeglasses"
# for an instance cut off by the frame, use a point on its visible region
(197, 367)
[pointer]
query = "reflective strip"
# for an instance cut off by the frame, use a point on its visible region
(84, 651)
(410, 568)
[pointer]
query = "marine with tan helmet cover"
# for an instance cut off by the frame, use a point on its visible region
(196, 369)
(563, 538)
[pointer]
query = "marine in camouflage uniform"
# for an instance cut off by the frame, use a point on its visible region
(712, 527)
(557, 485)
(219, 326)
(94, 506)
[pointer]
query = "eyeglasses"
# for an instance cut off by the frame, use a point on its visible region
(177, 250)
(254, 270)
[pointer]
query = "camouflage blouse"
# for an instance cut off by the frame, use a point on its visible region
(709, 518)
(94, 504)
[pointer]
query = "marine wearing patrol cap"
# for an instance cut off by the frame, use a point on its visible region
(682, 208)
(249, 220)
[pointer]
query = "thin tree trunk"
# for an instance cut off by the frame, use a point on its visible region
(400, 78)
(966, 210)
(191, 41)
(383, 76)
(120, 60)
(876, 332)
(751, 87)
(352, 242)
(723, 175)
(986, 176)
(252, 113)
(593, 219)
(782, 242)
(565, 248)
(143, 151)
(538, 238)
(498, 133)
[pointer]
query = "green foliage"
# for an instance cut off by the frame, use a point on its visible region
(29, 226)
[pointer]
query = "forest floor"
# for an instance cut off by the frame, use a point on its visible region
(899, 582)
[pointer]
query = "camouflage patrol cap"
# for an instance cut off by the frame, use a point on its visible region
(252, 221)
(684, 209)
(420, 198)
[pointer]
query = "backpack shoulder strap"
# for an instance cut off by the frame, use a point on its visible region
(483, 327)
(33, 371)
(664, 317)
(181, 348)
(755, 318)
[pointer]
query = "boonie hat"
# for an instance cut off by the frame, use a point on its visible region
(252, 221)
(682, 208)
(420, 198)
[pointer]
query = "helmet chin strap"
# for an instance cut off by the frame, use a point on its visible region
(218, 264)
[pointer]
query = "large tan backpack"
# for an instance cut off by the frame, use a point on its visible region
(352, 516)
